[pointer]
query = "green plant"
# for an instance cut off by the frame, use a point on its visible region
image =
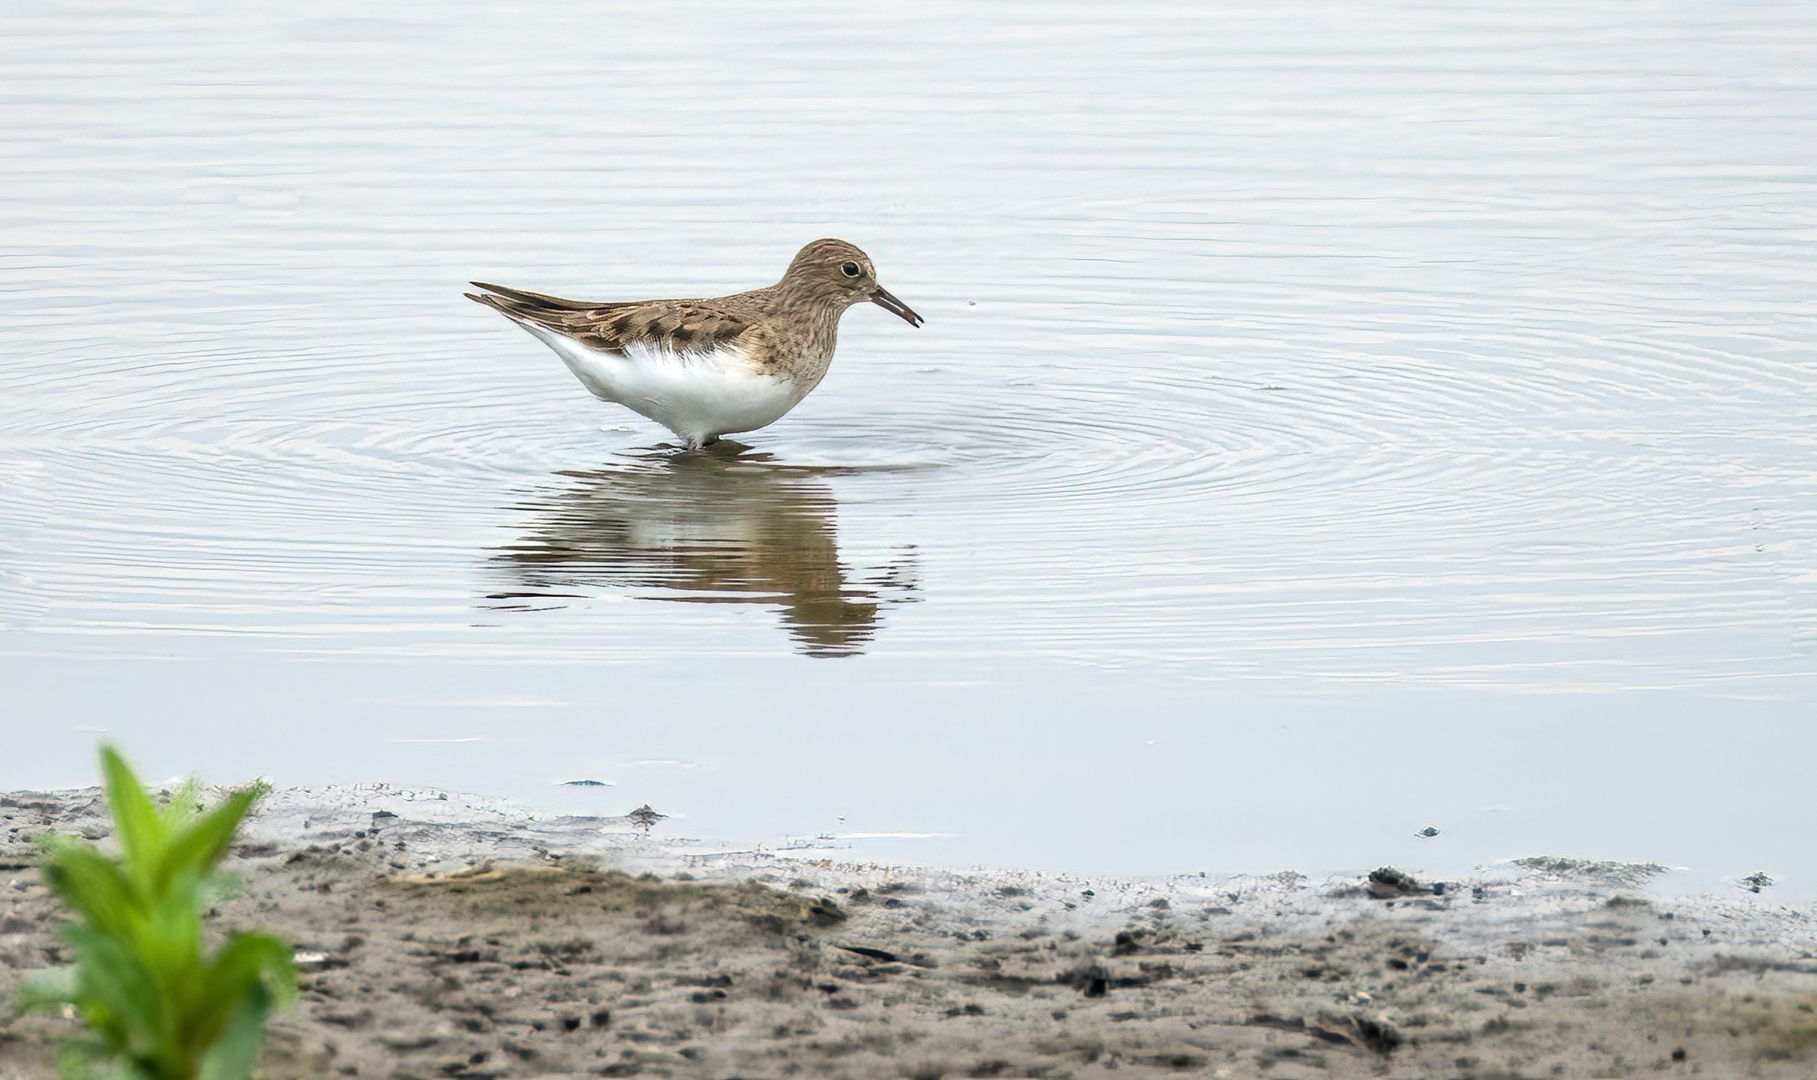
(159, 1005)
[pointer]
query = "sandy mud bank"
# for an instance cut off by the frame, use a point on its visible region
(447, 937)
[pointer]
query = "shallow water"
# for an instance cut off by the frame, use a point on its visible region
(1330, 421)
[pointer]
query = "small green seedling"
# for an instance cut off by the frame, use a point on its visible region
(160, 1006)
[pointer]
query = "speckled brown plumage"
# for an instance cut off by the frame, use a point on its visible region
(788, 330)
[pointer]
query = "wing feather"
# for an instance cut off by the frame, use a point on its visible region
(664, 325)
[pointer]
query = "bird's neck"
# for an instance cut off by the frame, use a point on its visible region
(814, 312)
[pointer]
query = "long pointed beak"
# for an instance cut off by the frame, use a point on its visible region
(884, 300)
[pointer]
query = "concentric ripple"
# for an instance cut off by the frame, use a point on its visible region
(1472, 498)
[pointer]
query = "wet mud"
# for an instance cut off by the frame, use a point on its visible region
(421, 962)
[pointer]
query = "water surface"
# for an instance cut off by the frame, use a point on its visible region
(1331, 420)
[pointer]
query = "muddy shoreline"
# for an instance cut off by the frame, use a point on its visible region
(444, 939)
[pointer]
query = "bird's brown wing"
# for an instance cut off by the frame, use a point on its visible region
(685, 325)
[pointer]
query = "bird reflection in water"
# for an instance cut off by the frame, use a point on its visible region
(716, 526)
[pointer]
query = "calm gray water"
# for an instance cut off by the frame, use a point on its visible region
(1331, 420)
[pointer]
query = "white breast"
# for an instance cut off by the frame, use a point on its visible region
(699, 395)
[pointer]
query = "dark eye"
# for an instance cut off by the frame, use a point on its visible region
(849, 269)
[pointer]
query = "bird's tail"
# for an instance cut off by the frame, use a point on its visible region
(528, 307)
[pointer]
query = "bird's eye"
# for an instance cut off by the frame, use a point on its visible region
(849, 269)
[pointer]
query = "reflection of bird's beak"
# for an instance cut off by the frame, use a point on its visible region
(884, 300)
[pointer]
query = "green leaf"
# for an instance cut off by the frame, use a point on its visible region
(234, 1054)
(217, 888)
(173, 924)
(118, 997)
(47, 988)
(256, 959)
(92, 884)
(200, 846)
(182, 805)
(136, 821)
(247, 967)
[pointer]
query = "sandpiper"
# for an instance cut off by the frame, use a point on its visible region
(706, 368)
